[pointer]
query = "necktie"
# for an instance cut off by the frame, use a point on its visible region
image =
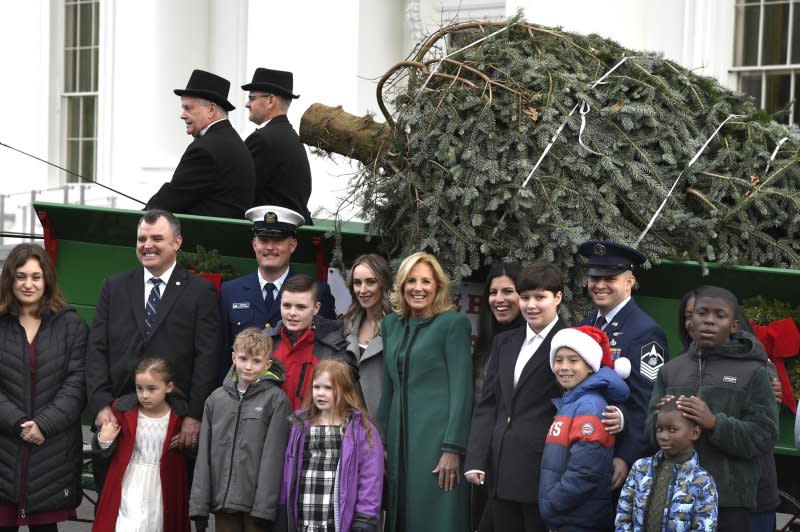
(269, 297)
(153, 301)
(600, 322)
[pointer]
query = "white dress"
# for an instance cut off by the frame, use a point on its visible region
(141, 509)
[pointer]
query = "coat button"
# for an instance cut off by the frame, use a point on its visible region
(267, 325)
(238, 323)
(508, 420)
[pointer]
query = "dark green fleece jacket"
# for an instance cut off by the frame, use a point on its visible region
(733, 381)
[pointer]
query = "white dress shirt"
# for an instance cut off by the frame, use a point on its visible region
(532, 342)
(148, 286)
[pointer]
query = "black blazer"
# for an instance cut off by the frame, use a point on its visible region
(186, 332)
(510, 424)
(215, 177)
(283, 176)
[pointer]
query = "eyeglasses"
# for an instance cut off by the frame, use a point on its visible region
(252, 98)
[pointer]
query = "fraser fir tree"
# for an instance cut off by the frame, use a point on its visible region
(467, 130)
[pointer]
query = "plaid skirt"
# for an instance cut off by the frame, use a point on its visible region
(318, 501)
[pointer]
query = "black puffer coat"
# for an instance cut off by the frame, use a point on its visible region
(52, 394)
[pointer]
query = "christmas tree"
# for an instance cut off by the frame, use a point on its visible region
(477, 105)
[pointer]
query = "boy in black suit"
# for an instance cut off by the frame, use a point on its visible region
(511, 419)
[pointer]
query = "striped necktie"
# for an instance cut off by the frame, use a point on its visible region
(153, 301)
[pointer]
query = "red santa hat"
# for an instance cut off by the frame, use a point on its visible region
(592, 345)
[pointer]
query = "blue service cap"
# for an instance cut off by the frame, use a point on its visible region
(608, 258)
(275, 221)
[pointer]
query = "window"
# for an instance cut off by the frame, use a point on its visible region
(767, 54)
(79, 98)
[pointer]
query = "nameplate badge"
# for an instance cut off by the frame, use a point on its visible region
(238, 306)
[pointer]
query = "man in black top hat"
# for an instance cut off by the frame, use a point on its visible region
(283, 176)
(215, 176)
(632, 334)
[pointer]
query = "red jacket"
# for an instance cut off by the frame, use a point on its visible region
(174, 480)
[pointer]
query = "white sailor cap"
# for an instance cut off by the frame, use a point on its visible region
(272, 220)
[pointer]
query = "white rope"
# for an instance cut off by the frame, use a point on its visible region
(774, 154)
(691, 162)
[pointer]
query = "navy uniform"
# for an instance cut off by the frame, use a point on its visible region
(633, 334)
(242, 301)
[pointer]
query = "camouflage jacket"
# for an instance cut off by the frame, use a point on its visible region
(692, 499)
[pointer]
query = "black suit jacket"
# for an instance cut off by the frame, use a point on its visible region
(283, 176)
(186, 332)
(215, 177)
(510, 424)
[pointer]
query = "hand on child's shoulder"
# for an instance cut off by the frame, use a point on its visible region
(109, 431)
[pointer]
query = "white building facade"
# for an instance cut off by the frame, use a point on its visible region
(87, 84)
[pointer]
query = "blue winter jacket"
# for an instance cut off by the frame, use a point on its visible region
(692, 497)
(575, 483)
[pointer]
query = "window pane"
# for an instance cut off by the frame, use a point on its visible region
(70, 14)
(84, 70)
(796, 99)
(73, 117)
(87, 159)
(777, 96)
(73, 147)
(795, 34)
(96, 24)
(69, 71)
(95, 68)
(751, 84)
(776, 34)
(85, 24)
(747, 32)
(88, 118)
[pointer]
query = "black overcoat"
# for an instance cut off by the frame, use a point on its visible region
(283, 175)
(215, 177)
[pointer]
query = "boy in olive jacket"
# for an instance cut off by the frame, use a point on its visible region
(243, 438)
(721, 383)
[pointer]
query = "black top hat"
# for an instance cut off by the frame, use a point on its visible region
(209, 86)
(273, 81)
(608, 258)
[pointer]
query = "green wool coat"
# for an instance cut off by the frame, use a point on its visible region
(425, 410)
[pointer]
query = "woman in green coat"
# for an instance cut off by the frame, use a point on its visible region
(424, 412)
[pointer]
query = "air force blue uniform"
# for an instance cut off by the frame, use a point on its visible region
(636, 336)
(633, 335)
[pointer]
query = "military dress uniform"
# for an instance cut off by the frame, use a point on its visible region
(242, 302)
(632, 334)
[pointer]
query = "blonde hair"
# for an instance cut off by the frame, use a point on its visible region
(345, 396)
(441, 301)
(252, 341)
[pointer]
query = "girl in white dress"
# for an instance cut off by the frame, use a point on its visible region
(134, 498)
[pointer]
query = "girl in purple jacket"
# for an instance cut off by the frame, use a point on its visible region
(333, 470)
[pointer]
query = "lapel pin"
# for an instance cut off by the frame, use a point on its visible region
(614, 323)
(617, 333)
(613, 342)
(177, 283)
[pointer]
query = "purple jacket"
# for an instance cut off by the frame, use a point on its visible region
(360, 475)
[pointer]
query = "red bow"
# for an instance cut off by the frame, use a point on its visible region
(781, 339)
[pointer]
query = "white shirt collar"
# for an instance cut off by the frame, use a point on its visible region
(277, 282)
(530, 334)
(203, 131)
(259, 126)
(164, 276)
(614, 311)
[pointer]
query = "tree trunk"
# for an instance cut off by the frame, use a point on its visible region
(334, 130)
